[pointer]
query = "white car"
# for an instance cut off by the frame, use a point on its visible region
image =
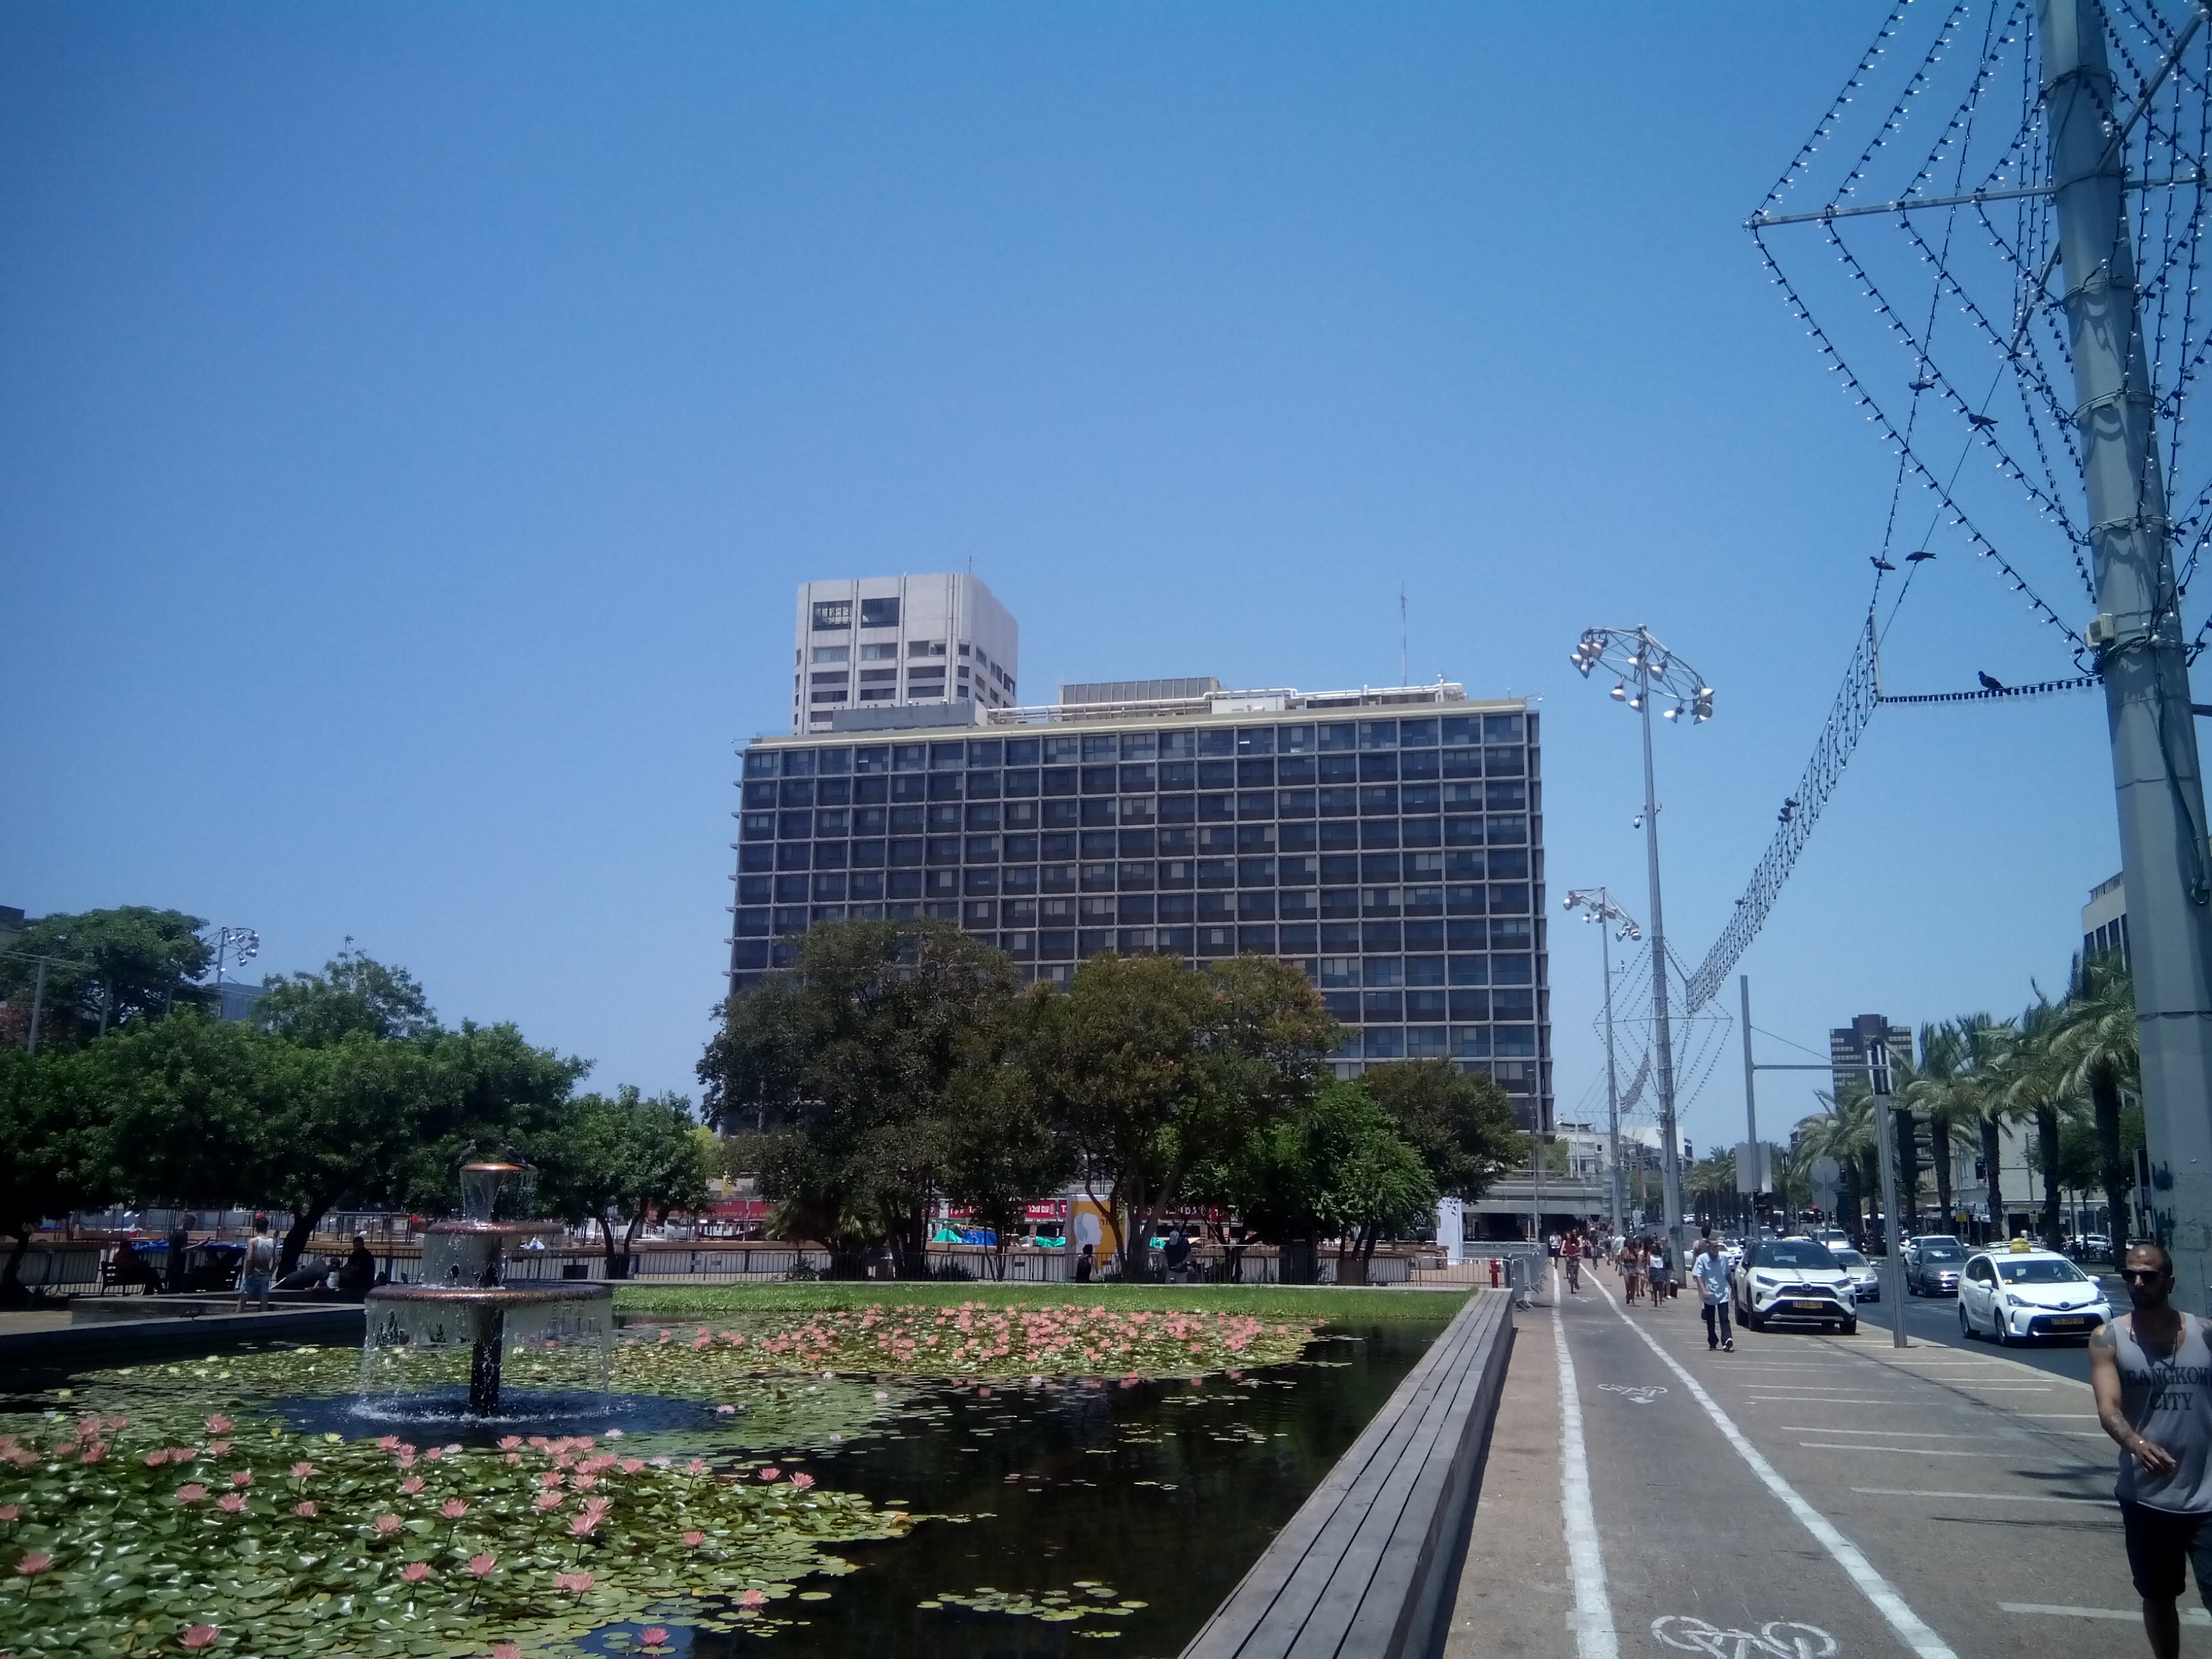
(1865, 1277)
(1794, 1279)
(2011, 1294)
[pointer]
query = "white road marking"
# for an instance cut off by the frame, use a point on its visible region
(1639, 1393)
(1762, 1400)
(1779, 1638)
(1892, 1434)
(1910, 1628)
(1982, 1496)
(1594, 1635)
(2188, 1615)
(1909, 1451)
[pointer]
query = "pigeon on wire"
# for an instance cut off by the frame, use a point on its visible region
(1989, 682)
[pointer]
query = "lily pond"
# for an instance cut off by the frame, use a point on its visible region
(938, 1479)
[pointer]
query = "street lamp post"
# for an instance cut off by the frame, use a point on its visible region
(1632, 651)
(1596, 904)
(242, 944)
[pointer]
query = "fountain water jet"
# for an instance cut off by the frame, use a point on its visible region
(465, 1302)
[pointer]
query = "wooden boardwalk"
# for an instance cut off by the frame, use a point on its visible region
(1368, 1567)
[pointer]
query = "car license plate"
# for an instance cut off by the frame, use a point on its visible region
(2069, 1321)
(1808, 1307)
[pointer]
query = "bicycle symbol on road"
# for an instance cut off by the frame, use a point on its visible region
(1780, 1638)
(1641, 1394)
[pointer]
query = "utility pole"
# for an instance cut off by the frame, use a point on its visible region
(1750, 1107)
(1874, 1034)
(2137, 633)
(1612, 1090)
(38, 1006)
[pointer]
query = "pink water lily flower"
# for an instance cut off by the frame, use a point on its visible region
(242, 1478)
(230, 1503)
(653, 1636)
(802, 1480)
(9, 1512)
(153, 1460)
(387, 1524)
(34, 1563)
(510, 1442)
(483, 1566)
(453, 1509)
(306, 1511)
(301, 1470)
(191, 1492)
(506, 1650)
(693, 1539)
(218, 1448)
(410, 1486)
(219, 1424)
(771, 1472)
(415, 1571)
(549, 1500)
(199, 1636)
(753, 1598)
(583, 1526)
(578, 1582)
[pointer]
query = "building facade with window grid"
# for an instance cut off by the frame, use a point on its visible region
(1391, 848)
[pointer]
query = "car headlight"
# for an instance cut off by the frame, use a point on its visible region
(2012, 1301)
(1765, 1278)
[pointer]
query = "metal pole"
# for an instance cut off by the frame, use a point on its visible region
(38, 1003)
(2156, 778)
(1671, 1150)
(1750, 1108)
(1875, 1033)
(1611, 1072)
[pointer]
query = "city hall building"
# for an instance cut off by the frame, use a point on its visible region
(1389, 843)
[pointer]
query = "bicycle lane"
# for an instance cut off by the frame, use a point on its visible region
(1978, 1490)
(1705, 1551)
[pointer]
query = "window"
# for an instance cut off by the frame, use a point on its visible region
(879, 613)
(831, 614)
(886, 652)
(925, 648)
(831, 653)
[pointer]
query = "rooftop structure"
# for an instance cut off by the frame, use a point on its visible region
(880, 651)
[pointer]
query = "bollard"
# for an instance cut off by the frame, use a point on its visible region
(1493, 1273)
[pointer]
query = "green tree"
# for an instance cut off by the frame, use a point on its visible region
(861, 1052)
(2096, 1045)
(1152, 1069)
(50, 1126)
(2035, 1085)
(1001, 1151)
(1463, 1125)
(620, 1162)
(353, 993)
(109, 968)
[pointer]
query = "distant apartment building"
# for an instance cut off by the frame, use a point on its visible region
(1389, 841)
(2104, 920)
(868, 650)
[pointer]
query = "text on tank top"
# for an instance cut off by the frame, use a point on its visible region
(2169, 1403)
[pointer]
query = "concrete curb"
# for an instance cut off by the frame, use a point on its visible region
(122, 1342)
(1368, 1567)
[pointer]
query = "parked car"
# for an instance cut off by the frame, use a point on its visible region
(1831, 1236)
(1933, 1262)
(1865, 1277)
(2019, 1292)
(1794, 1279)
(2091, 1247)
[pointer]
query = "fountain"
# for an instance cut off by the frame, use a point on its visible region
(466, 1305)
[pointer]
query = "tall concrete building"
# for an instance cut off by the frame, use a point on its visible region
(864, 648)
(1388, 842)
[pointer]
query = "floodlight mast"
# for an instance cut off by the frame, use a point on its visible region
(1655, 668)
(1597, 904)
(2140, 653)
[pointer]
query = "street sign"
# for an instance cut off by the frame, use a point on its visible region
(1827, 1173)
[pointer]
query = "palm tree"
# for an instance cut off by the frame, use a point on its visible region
(2035, 1083)
(2096, 1045)
(1711, 1181)
(1846, 1134)
(1952, 1087)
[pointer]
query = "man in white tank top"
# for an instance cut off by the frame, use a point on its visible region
(2152, 1371)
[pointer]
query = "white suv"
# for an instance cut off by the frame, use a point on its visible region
(2019, 1292)
(1794, 1279)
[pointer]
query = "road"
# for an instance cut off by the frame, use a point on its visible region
(1806, 1497)
(1935, 1319)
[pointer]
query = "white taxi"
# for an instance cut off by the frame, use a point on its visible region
(2016, 1292)
(1793, 1279)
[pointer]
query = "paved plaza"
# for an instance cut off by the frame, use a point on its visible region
(1806, 1497)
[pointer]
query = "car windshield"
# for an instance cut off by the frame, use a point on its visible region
(1941, 1253)
(2041, 1270)
(1849, 1258)
(1795, 1253)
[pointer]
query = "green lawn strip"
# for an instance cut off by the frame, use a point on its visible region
(1269, 1302)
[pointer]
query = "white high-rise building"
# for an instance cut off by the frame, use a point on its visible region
(936, 645)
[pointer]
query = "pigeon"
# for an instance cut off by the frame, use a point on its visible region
(1979, 420)
(1915, 558)
(1990, 683)
(1922, 384)
(1880, 563)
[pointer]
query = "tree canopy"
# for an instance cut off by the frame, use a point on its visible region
(103, 968)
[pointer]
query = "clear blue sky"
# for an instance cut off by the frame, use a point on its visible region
(417, 418)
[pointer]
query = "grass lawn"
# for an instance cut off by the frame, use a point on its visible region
(1271, 1302)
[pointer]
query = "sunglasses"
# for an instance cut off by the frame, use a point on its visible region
(2146, 1274)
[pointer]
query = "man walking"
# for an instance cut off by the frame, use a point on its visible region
(2152, 1373)
(1710, 1269)
(259, 1269)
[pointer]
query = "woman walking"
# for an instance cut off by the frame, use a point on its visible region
(1631, 1270)
(1663, 1271)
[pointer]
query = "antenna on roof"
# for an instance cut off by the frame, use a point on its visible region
(1402, 634)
